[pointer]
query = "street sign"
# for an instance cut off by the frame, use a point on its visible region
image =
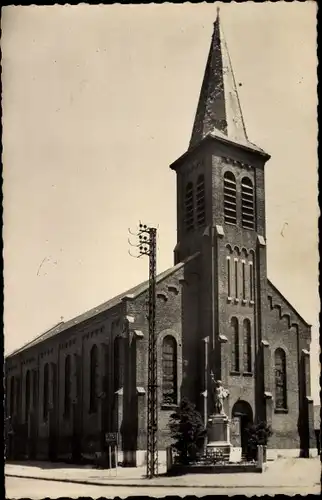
(111, 438)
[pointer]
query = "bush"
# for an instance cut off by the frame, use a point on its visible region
(257, 434)
(188, 432)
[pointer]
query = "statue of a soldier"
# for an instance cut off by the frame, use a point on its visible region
(219, 394)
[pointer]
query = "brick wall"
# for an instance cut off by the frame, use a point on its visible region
(240, 244)
(168, 322)
(175, 294)
(285, 329)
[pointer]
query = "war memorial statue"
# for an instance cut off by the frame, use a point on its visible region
(218, 422)
(219, 395)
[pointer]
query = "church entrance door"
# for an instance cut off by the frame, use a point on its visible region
(244, 412)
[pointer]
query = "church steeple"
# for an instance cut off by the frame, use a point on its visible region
(218, 183)
(219, 112)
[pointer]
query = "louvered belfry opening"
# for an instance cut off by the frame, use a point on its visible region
(230, 213)
(247, 203)
(189, 216)
(201, 216)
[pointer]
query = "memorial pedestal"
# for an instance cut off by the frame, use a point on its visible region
(218, 446)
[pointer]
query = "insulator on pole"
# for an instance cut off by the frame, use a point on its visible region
(147, 246)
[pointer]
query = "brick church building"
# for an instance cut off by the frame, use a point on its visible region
(88, 376)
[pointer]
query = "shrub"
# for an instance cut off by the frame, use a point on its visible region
(188, 432)
(257, 434)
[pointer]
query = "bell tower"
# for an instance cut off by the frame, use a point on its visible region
(221, 215)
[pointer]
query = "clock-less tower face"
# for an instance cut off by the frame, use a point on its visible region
(222, 186)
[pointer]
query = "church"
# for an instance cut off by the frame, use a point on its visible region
(216, 310)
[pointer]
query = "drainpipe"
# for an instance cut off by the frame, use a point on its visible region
(205, 394)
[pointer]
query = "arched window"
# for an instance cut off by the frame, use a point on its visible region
(244, 280)
(12, 396)
(169, 371)
(34, 388)
(251, 281)
(247, 203)
(27, 395)
(247, 346)
(46, 392)
(236, 273)
(18, 396)
(67, 383)
(228, 276)
(280, 379)
(230, 212)
(76, 380)
(201, 214)
(118, 363)
(93, 379)
(54, 387)
(189, 215)
(235, 344)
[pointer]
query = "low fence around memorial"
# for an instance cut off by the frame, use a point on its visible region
(215, 462)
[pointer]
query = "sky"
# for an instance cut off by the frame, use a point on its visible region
(98, 101)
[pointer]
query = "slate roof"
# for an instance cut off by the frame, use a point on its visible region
(219, 112)
(132, 293)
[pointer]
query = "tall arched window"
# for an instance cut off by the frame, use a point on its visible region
(76, 377)
(201, 214)
(118, 363)
(34, 388)
(247, 346)
(251, 281)
(234, 344)
(54, 385)
(12, 395)
(228, 263)
(46, 392)
(18, 396)
(189, 208)
(280, 379)
(67, 383)
(230, 212)
(27, 395)
(93, 379)
(236, 276)
(247, 203)
(169, 371)
(244, 280)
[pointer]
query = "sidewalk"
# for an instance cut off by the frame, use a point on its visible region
(288, 472)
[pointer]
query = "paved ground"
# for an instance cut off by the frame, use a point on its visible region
(39, 480)
(39, 489)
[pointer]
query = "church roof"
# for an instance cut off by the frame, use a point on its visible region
(288, 304)
(132, 293)
(219, 112)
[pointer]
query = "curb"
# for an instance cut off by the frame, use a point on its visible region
(147, 484)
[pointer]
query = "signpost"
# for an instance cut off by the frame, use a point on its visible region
(111, 439)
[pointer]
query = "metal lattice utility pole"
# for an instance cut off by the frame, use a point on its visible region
(147, 246)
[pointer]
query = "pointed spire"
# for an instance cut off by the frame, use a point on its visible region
(219, 112)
